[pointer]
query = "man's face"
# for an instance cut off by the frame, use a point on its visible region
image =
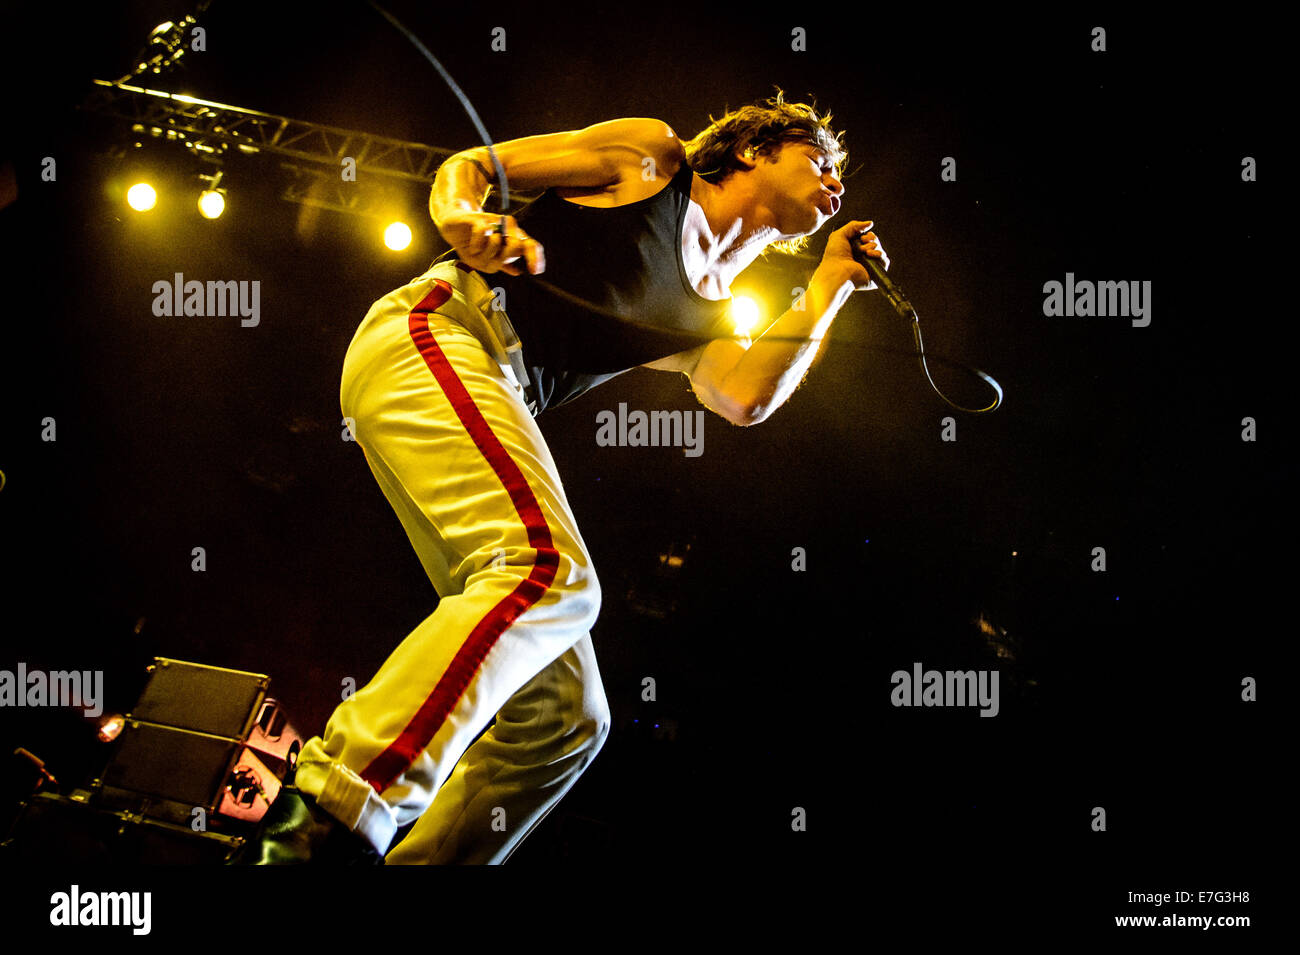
(799, 185)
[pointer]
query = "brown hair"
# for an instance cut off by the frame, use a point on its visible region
(764, 127)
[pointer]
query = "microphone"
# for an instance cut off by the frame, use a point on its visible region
(893, 294)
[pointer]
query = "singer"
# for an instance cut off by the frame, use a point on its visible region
(486, 714)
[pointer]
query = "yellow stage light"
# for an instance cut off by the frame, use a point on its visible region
(744, 314)
(397, 236)
(211, 204)
(141, 197)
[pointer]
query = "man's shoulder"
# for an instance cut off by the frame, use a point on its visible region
(652, 138)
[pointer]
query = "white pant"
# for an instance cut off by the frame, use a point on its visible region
(442, 420)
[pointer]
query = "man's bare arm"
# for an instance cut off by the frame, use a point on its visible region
(599, 157)
(746, 385)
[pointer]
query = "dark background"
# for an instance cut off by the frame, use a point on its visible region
(1119, 689)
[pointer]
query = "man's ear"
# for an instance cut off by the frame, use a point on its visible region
(747, 158)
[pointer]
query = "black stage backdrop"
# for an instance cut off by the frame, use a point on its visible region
(1112, 541)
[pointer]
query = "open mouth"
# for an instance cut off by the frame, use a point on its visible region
(832, 204)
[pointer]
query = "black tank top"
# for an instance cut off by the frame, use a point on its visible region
(627, 259)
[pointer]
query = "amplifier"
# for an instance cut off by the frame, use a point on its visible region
(205, 699)
(202, 742)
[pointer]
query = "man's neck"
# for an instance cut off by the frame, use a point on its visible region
(735, 231)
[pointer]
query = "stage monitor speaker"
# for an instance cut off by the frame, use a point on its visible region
(167, 772)
(204, 699)
(202, 741)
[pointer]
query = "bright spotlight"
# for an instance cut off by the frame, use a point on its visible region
(141, 197)
(211, 204)
(110, 727)
(744, 314)
(397, 236)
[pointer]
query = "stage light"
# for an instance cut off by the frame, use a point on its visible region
(141, 197)
(397, 236)
(744, 314)
(109, 727)
(212, 200)
(211, 204)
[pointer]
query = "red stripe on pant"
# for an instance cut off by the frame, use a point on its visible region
(433, 712)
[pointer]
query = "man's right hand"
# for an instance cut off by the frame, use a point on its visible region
(838, 257)
(476, 239)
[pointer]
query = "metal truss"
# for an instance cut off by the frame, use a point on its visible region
(321, 189)
(314, 153)
(221, 127)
